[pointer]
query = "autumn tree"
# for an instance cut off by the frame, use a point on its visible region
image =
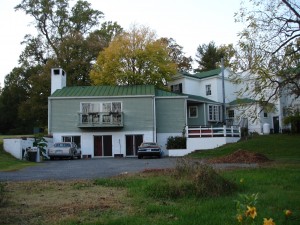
(269, 47)
(177, 55)
(133, 58)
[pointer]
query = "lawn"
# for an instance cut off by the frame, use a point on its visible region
(190, 194)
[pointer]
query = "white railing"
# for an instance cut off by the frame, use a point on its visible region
(211, 131)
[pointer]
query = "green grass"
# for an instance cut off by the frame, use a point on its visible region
(9, 163)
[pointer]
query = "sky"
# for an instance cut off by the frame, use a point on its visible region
(189, 22)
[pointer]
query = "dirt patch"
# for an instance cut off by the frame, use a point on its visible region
(52, 202)
(241, 156)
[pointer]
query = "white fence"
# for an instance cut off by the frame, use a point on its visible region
(205, 131)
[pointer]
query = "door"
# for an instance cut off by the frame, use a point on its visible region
(276, 124)
(103, 145)
(132, 144)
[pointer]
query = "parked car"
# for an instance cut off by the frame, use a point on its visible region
(149, 149)
(64, 149)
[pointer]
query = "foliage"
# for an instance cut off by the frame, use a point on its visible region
(269, 47)
(209, 56)
(177, 142)
(175, 52)
(132, 58)
(294, 120)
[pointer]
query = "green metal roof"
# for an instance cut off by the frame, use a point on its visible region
(200, 98)
(205, 74)
(92, 91)
(241, 101)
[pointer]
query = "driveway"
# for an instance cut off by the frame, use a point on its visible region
(86, 168)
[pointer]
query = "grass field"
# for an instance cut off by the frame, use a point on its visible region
(199, 196)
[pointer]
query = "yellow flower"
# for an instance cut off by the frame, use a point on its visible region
(288, 213)
(268, 221)
(239, 217)
(242, 180)
(251, 212)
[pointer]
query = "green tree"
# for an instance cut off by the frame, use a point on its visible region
(132, 58)
(62, 35)
(269, 47)
(209, 56)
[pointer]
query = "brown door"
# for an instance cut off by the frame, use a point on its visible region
(97, 145)
(132, 144)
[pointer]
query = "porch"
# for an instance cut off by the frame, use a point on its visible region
(207, 137)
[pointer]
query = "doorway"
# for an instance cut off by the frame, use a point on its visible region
(103, 145)
(132, 144)
(276, 124)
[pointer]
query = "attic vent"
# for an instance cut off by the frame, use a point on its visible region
(56, 72)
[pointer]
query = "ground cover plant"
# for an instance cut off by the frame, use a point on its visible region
(193, 193)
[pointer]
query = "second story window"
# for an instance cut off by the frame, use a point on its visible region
(231, 113)
(208, 89)
(177, 88)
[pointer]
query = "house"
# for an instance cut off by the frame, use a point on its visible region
(242, 107)
(107, 121)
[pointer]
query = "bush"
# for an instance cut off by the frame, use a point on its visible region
(190, 179)
(176, 142)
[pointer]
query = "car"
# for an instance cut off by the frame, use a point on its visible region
(63, 150)
(149, 149)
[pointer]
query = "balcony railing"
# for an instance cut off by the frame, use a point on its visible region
(100, 119)
(206, 131)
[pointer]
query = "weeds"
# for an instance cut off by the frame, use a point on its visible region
(3, 194)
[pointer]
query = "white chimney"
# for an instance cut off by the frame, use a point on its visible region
(58, 79)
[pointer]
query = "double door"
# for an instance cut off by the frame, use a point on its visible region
(103, 145)
(132, 144)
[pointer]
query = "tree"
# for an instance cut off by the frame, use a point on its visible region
(269, 47)
(63, 36)
(209, 56)
(133, 58)
(177, 55)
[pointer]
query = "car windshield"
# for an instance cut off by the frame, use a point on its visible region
(148, 144)
(62, 145)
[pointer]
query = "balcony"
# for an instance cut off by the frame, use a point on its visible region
(100, 119)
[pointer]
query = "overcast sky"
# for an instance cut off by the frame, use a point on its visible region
(190, 22)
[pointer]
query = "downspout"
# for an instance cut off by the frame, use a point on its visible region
(49, 116)
(154, 119)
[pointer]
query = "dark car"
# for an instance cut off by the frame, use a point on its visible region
(63, 150)
(149, 149)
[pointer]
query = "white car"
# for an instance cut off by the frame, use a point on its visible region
(149, 149)
(63, 150)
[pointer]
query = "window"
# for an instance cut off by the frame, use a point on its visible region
(214, 113)
(76, 139)
(231, 113)
(208, 89)
(193, 112)
(176, 88)
(104, 112)
(265, 114)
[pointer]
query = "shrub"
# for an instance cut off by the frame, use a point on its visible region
(190, 179)
(176, 142)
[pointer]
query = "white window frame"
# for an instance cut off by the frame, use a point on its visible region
(196, 110)
(208, 89)
(230, 112)
(214, 113)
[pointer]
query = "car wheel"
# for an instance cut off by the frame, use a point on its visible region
(139, 156)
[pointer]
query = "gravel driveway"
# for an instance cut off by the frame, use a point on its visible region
(86, 168)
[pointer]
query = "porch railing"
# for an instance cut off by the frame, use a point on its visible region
(100, 119)
(211, 131)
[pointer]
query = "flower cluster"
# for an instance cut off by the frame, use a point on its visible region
(247, 212)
